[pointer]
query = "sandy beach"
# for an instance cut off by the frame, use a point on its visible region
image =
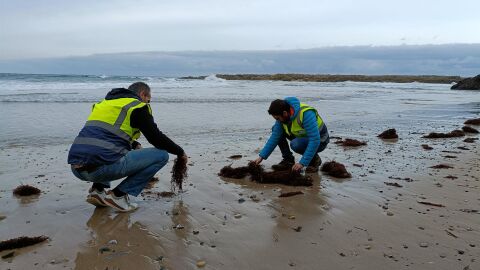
(373, 220)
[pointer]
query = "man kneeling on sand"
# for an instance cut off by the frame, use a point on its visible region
(303, 126)
(106, 148)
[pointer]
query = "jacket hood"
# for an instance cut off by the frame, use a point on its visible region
(295, 104)
(121, 93)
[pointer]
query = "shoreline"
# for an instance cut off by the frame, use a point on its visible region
(335, 78)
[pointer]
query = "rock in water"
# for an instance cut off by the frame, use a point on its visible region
(468, 84)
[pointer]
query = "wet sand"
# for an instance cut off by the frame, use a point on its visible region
(357, 223)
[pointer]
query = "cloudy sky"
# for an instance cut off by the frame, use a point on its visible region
(49, 28)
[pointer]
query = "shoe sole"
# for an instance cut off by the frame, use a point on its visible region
(117, 207)
(96, 201)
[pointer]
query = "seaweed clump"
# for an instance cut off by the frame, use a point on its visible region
(350, 142)
(26, 190)
(179, 172)
(21, 242)
(235, 173)
(256, 171)
(468, 129)
(388, 134)
(475, 121)
(335, 169)
(453, 134)
(289, 178)
(258, 174)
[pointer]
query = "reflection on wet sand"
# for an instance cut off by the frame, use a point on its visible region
(299, 210)
(117, 243)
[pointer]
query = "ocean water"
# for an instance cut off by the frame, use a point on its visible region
(43, 110)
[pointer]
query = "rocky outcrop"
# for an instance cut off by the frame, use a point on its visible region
(468, 84)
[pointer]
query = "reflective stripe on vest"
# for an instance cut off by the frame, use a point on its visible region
(100, 143)
(295, 127)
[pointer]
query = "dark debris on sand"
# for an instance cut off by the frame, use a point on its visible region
(388, 134)
(470, 140)
(350, 143)
(235, 156)
(289, 178)
(393, 184)
(427, 147)
(258, 174)
(475, 121)
(442, 166)
(26, 190)
(290, 194)
(151, 183)
(453, 134)
(335, 169)
(20, 242)
(179, 172)
(468, 129)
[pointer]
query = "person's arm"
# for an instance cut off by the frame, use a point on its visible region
(143, 120)
(272, 142)
(311, 127)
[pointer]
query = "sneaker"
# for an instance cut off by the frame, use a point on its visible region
(96, 197)
(284, 165)
(314, 164)
(121, 204)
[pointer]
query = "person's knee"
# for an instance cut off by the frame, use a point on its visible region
(161, 157)
(297, 146)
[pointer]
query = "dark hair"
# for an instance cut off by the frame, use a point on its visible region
(139, 87)
(278, 106)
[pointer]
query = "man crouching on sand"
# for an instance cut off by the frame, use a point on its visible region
(303, 126)
(106, 150)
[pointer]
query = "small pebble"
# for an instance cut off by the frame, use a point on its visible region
(241, 200)
(113, 242)
(424, 244)
(201, 264)
(389, 213)
(237, 216)
(104, 249)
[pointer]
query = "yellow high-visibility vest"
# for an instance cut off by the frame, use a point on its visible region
(114, 116)
(295, 128)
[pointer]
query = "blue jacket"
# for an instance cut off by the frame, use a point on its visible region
(310, 126)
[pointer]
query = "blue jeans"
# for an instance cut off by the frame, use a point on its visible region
(139, 166)
(299, 145)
